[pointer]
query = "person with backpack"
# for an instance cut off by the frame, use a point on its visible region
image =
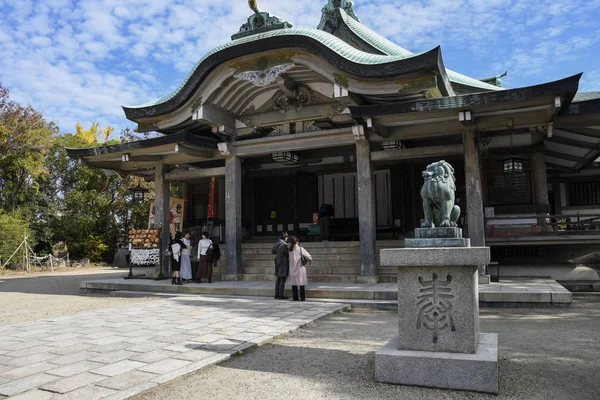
(204, 269)
(175, 247)
(213, 254)
(325, 214)
(282, 265)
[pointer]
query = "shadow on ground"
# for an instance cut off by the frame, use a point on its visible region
(59, 284)
(543, 354)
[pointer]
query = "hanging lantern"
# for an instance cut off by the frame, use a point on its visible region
(513, 166)
(285, 158)
(138, 193)
(391, 145)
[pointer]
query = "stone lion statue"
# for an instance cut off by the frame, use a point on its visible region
(438, 196)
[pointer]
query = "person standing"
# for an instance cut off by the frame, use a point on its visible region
(325, 214)
(297, 276)
(204, 267)
(186, 263)
(282, 265)
(176, 246)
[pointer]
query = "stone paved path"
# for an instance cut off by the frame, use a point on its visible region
(116, 353)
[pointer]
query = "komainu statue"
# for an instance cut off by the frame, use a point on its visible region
(438, 196)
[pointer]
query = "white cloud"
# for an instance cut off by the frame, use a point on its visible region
(79, 60)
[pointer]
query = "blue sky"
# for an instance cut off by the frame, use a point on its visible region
(78, 61)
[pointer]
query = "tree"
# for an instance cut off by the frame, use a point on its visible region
(25, 137)
(89, 210)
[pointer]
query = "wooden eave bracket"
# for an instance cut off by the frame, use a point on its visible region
(193, 151)
(224, 148)
(466, 117)
(129, 158)
(220, 120)
(374, 128)
(358, 132)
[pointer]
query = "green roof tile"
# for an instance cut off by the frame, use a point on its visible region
(339, 46)
(586, 96)
(388, 47)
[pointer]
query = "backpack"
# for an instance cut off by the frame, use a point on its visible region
(213, 253)
(323, 210)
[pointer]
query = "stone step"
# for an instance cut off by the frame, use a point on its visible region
(510, 293)
(316, 257)
(309, 270)
(390, 305)
(311, 278)
(314, 264)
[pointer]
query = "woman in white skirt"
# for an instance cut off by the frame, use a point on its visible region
(297, 276)
(186, 263)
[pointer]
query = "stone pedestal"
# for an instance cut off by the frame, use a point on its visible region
(439, 344)
(477, 372)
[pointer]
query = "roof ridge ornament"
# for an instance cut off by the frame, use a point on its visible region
(260, 22)
(253, 6)
(330, 18)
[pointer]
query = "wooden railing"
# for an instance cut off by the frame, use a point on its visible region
(543, 225)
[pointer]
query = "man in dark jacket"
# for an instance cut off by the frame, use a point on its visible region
(282, 265)
(325, 214)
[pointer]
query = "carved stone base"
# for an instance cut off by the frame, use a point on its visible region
(439, 242)
(435, 233)
(477, 372)
(438, 309)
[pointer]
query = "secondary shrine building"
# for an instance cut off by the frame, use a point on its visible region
(289, 118)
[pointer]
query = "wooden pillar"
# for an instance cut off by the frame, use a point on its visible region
(366, 213)
(233, 217)
(162, 213)
(474, 211)
(540, 183)
(557, 189)
(540, 178)
(187, 206)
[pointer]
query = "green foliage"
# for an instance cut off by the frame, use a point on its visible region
(25, 138)
(12, 232)
(94, 247)
(58, 199)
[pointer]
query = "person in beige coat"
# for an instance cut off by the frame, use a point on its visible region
(297, 276)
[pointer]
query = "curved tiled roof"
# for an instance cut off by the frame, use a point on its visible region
(388, 47)
(334, 44)
(586, 96)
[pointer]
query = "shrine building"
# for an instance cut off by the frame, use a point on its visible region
(289, 118)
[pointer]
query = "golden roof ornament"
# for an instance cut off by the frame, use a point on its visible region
(253, 6)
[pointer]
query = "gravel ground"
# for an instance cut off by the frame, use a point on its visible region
(544, 354)
(37, 296)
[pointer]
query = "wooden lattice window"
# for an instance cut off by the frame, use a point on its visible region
(583, 193)
(508, 189)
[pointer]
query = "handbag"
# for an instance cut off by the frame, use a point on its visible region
(303, 258)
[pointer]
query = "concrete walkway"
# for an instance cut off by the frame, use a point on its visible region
(510, 292)
(116, 353)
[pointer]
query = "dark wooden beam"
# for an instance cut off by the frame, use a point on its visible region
(560, 167)
(594, 133)
(374, 128)
(299, 141)
(516, 150)
(573, 143)
(183, 175)
(130, 158)
(193, 151)
(418, 152)
(563, 156)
